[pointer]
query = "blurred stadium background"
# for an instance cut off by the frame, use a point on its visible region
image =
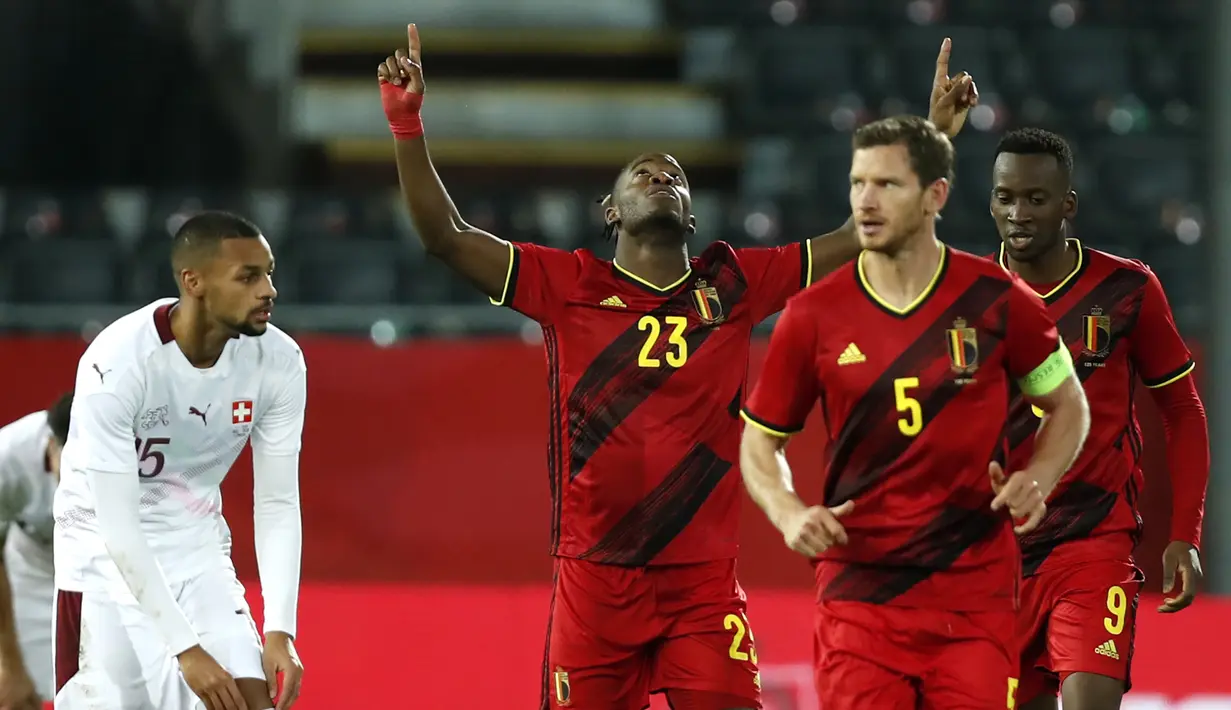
(426, 511)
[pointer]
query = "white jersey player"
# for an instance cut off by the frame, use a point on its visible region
(149, 614)
(29, 470)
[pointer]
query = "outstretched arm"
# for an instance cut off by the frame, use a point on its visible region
(482, 258)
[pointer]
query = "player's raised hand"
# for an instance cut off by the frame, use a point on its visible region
(210, 681)
(405, 67)
(401, 87)
(813, 530)
(952, 97)
(1182, 558)
(1021, 494)
(280, 658)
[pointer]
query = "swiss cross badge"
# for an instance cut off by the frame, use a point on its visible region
(241, 411)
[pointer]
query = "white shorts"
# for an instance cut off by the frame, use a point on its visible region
(32, 579)
(109, 655)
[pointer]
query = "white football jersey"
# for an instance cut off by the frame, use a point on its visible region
(26, 484)
(141, 408)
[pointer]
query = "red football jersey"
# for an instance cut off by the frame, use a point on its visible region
(1114, 317)
(645, 389)
(915, 403)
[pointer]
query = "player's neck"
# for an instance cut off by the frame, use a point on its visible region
(658, 261)
(1049, 267)
(201, 343)
(900, 278)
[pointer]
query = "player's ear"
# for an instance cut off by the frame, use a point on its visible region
(692, 224)
(937, 194)
(1070, 205)
(191, 283)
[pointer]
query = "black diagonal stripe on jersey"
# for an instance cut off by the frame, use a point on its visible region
(637, 538)
(736, 402)
(1119, 294)
(869, 423)
(934, 548)
(1072, 515)
(614, 384)
(555, 456)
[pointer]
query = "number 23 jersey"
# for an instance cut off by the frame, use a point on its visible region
(141, 409)
(644, 389)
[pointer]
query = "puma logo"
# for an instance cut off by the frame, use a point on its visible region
(101, 373)
(198, 413)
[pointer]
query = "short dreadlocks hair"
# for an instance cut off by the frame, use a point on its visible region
(1036, 141)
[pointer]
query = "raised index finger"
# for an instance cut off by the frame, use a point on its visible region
(412, 33)
(942, 61)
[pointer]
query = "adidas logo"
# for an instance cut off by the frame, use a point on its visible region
(613, 301)
(1108, 648)
(851, 356)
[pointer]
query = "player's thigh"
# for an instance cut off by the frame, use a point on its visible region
(214, 603)
(976, 667)
(33, 604)
(600, 633)
(108, 653)
(709, 667)
(1093, 624)
(1035, 680)
(859, 664)
(709, 646)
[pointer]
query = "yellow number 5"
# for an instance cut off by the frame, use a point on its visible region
(676, 357)
(739, 624)
(911, 421)
(1012, 703)
(1117, 604)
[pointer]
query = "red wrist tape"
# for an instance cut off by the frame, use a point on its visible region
(402, 108)
(406, 127)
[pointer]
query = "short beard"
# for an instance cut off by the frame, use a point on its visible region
(667, 226)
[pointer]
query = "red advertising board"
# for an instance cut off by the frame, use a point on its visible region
(426, 528)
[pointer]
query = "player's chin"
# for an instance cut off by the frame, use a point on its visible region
(253, 328)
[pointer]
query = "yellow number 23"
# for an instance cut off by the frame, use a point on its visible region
(739, 624)
(677, 348)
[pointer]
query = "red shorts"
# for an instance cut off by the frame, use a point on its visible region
(876, 657)
(618, 634)
(1078, 618)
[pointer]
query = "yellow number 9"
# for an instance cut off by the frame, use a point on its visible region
(734, 622)
(1117, 604)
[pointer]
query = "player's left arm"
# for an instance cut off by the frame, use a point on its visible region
(1043, 368)
(1165, 364)
(776, 273)
(278, 527)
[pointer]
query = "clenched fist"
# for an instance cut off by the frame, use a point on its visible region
(813, 530)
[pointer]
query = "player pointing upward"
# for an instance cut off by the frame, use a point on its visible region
(916, 568)
(647, 359)
(1079, 600)
(166, 399)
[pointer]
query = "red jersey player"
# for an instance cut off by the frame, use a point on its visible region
(916, 562)
(1081, 588)
(647, 360)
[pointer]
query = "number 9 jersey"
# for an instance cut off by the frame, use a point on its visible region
(141, 409)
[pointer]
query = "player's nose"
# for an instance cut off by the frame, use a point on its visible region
(662, 177)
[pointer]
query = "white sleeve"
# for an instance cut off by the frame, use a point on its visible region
(277, 520)
(103, 424)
